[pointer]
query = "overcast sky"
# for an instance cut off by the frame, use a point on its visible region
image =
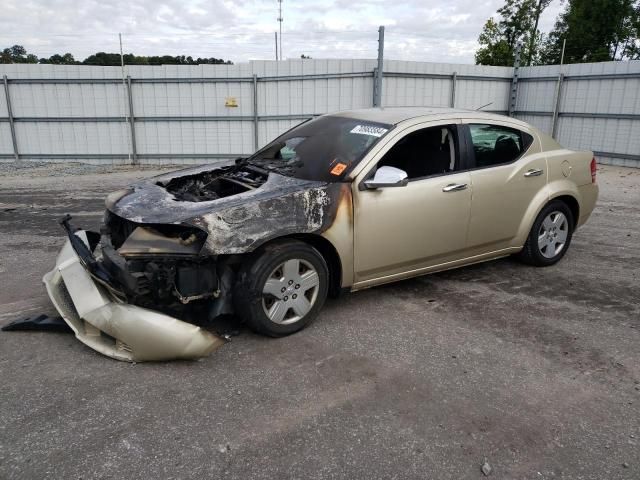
(240, 30)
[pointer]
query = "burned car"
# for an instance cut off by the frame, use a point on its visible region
(339, 203)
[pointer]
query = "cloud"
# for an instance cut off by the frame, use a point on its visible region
(424, 30)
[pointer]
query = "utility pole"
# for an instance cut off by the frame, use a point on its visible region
(275, 34)
(377, 81)
(121, 57)
(280, 21)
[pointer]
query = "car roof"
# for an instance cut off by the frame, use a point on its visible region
(396, 115)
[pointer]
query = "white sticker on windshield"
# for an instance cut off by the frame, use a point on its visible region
(369, 130)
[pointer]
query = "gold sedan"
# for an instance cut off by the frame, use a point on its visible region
(339, 203)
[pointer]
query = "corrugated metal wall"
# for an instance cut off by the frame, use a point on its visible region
(598, 107)
(82, 113)
(432, 84)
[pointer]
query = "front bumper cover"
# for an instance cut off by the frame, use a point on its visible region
(105, 323)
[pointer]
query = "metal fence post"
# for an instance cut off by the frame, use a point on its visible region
(377, 82)
(556, 108)
(514, 83)
(255, 112)
(454, 84)
(134, 152)
(10, 115)
(375, 87)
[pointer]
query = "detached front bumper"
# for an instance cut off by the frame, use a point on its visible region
(114, 328)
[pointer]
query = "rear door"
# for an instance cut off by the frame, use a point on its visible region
(508, 171)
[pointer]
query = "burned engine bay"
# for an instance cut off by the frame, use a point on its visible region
(216, 184)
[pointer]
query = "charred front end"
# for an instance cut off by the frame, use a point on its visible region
(170, 248)
(155, 245)
(162, 267)
(99, 293)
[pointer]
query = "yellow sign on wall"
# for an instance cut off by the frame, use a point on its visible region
(231, 102)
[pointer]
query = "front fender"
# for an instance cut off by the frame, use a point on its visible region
(245, 227)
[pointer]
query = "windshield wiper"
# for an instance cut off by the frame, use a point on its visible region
(279, 165)
(248, 161)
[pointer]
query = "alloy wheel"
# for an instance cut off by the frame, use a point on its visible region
(290, 291)
(553, 234)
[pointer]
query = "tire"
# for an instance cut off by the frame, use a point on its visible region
(292, 266)
(550, 235)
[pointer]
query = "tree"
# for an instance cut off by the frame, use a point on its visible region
(542, 4)
(496, 50)
(595, 31)
(66, 59)
(518, 22)
(632, 50)
(17, 54)
(113, 59)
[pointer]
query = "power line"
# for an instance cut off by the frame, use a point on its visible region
(188, 34)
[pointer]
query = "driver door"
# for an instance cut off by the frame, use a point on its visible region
(401, 230)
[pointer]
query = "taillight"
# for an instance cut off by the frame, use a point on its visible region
(594, 170)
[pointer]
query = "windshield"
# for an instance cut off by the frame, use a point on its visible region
(324, 149)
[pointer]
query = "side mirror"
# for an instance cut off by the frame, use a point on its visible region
(387, 177)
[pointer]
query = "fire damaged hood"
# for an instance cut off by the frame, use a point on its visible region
(238, 208)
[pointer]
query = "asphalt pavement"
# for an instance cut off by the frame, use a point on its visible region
(535, 371)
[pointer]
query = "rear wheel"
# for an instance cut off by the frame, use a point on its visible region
(281, 288)
(550, 235)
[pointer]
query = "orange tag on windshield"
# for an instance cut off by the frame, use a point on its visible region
(338, 169)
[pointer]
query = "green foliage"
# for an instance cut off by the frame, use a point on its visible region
(113, 59)
(518, 22)
(536, 38)
(495, 48)
(66, 59)
(595, 31)
(18, 54)
(632, 49)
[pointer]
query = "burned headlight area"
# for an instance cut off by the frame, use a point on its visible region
(159, 266)
(131, 238)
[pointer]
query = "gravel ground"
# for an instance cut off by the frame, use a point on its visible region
(535, 370)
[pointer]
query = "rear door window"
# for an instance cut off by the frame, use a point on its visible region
(497, 145)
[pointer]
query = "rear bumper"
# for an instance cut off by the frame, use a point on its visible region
(116, 329)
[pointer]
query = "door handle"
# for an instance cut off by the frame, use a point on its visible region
(534, 172)
(455, 187)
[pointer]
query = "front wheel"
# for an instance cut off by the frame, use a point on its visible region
(550, 235)
(281, 289)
